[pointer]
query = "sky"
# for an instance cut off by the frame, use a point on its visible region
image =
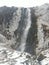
(22, 3)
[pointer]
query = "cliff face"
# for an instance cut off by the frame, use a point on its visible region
(42, 14)
(24, 32)
(18, 26)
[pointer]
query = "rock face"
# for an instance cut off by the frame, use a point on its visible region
(42, 14)
(24, 35)
(43, 26)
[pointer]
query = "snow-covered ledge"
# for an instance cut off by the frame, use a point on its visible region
(13, 57)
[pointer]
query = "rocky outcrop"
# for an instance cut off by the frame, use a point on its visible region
(42, 14)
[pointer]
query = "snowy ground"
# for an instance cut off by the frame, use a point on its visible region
(8, 57)
(46, 60)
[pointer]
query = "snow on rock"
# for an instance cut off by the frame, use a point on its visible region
(45, 61)
(8, 57)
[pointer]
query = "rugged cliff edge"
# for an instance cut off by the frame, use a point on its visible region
(24, 35)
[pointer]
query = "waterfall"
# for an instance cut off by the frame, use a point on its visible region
(26, 29)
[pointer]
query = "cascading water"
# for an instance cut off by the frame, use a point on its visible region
(26, 29)
(23, 30)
